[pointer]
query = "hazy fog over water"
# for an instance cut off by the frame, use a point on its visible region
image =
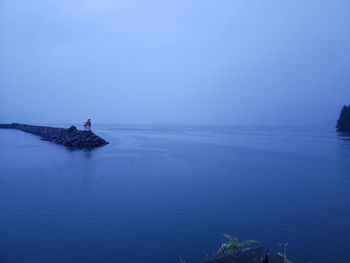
(210, 62)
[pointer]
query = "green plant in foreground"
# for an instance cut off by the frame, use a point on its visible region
(233, 245)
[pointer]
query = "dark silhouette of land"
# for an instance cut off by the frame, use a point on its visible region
(71, 137)
(343, 124)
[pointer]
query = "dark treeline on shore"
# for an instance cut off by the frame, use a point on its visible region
(343, 124)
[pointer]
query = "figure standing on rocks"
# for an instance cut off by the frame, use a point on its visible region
(87, 124)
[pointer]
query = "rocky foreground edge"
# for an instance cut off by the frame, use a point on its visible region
(252, 255)
(71, 137)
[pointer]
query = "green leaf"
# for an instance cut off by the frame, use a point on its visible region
(229, 237)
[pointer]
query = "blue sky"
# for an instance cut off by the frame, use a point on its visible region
(192, 62)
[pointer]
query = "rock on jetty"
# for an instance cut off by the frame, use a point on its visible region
(250, 256)
(71, 137)
(343, 124)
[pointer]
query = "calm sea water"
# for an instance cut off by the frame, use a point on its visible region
(160, 192)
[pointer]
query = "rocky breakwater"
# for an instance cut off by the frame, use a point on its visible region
(343, 124)
(71, 137)
(251, 255)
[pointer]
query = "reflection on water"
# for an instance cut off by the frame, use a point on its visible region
(344, 142)
(344, 156)
(344, 136)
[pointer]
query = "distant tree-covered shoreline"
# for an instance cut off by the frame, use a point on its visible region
(343, 124)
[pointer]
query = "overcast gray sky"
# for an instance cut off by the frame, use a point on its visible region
(176, 61)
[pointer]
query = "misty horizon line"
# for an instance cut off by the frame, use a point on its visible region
(68, 124)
